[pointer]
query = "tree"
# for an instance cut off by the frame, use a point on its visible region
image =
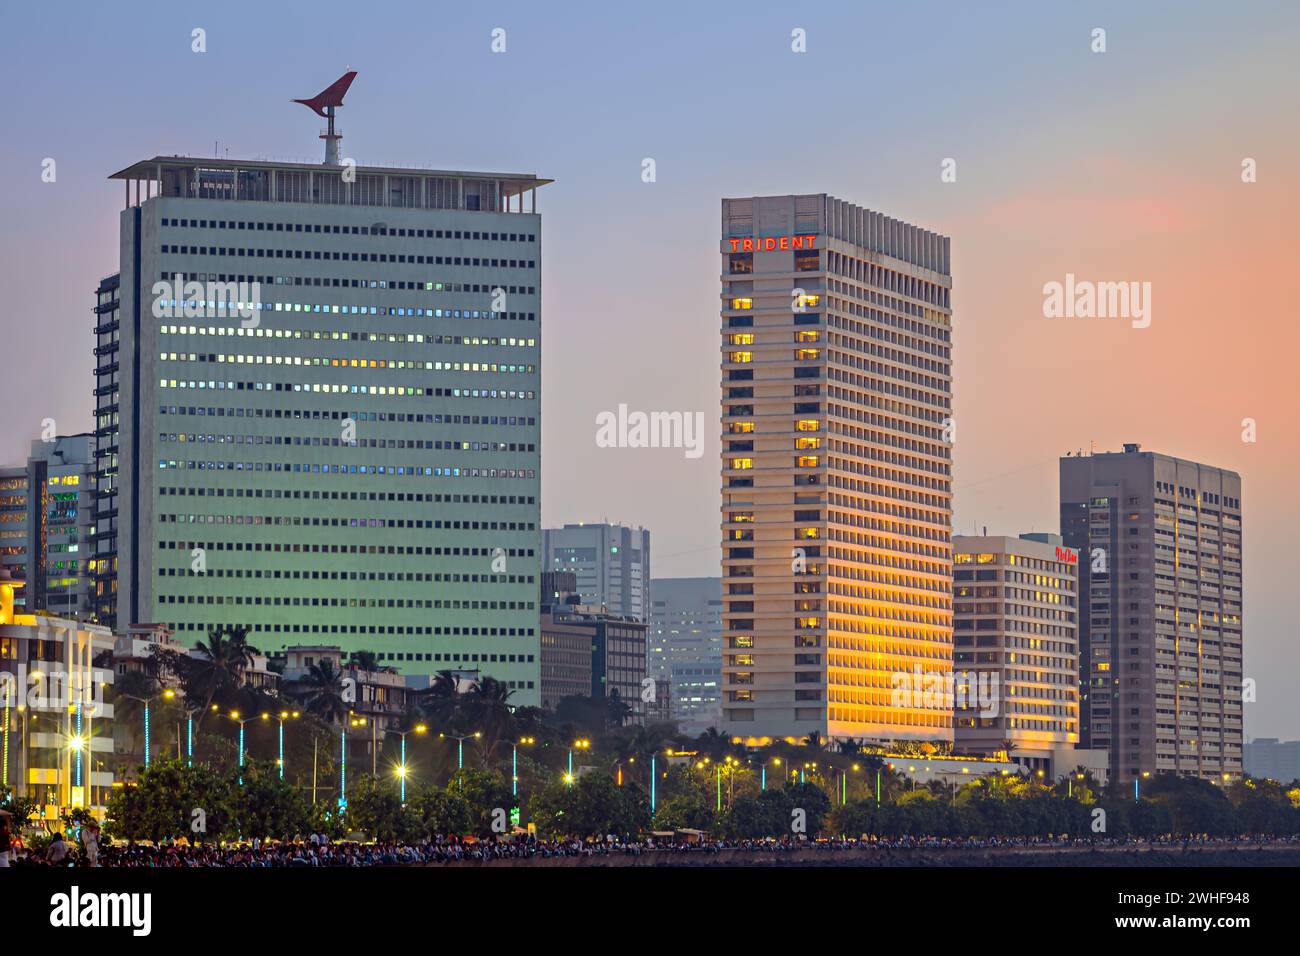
(487, 709)
(443, 812)
(217, 667)
(441, 700)
(592, 807)
(375, 808)
(486, 792)
(267, 806)
(170, 800)
(322, 692)
(365, 660)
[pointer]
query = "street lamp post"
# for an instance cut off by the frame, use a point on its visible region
(582, 744)
(401, 766)
(282, 717)
(514, 763)
(234, 715)
(460, 746)
(146, 701)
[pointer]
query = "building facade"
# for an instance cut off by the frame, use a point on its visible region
(47, 526)
(108, 335)
(1160, 610)
(684, 648)
(1016, 649)
(328, 410)
(611, 563)
(836, 469)
(1272, 758)
(56, 715)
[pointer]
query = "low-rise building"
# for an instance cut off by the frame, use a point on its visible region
(57, 731)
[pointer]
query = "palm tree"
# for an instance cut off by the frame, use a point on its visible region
(321, 691)
(129, 690)
(440, 701)
(714, 744)
(217, 666)
(487, 710)
(365, 660)
(849, 747)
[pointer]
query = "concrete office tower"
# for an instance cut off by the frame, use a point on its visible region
(329, 432)
(1016, 649)
(1272, 758)
(836, 470)
(611, 561)
(108, 367)
(684, 647)
(1160, 599)
(47, 526)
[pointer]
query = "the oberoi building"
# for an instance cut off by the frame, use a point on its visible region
(345, 450)
(836, 472)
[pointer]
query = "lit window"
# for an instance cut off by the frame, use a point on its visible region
(742, 463)
(808, 425)
(742, 357)
(743, 338)
(742, 303)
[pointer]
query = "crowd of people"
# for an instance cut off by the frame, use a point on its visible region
(319, 851)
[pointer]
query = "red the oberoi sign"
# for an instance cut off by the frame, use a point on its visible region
(1065, 554)
(771, 243)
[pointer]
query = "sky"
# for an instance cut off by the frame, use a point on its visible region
(1122, 165)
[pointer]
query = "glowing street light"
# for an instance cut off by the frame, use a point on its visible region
(167, 694)
(514, 763)
(460, 746)
(401, 766)
(281, 717)
(582, 744)
(234, 715)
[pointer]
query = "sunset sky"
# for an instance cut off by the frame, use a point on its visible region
(1116, 166)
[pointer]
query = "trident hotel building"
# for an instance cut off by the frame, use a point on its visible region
(349, 453)
(836, 472)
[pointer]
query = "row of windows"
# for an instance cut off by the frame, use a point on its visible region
(317, 522)
(253, 573)
(465, 235)
(332, 388)
(280, 548)
(374, 471)
(240, 600)
(222, 358)
(298, 494)
(194, 309)
(466, 446)
(361, 630)
(316, 414)
(395, 338)
(336, 256)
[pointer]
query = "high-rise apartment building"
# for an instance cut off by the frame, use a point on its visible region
(1016, 649)
(328, 415)
(684, 648)
(611, 561)
(108, 368)
(47, 524)
(836, 470)
(1160, 610)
